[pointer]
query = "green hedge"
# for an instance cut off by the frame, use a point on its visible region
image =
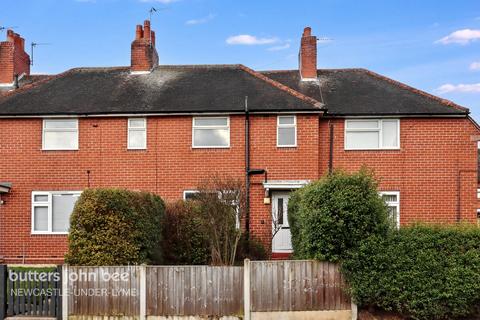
(115, 227)
(331, 216)
(424, 272)
(184, 242)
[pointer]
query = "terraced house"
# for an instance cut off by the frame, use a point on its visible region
(164, 128)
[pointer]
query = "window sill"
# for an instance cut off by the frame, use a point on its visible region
(49, 233)
(61, 150)
(388, 149)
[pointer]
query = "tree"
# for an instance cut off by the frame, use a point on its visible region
(221, 202)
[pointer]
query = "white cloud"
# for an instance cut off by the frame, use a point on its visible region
(458, 88)
(475, 66)
(463, 37)
(249, 40)
(200, 20)
(280, 47)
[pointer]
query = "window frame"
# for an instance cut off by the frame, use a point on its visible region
(49, 206)
(196, 127)
(44, 130)
(185, 192)
(379, 129)
(393, 204)
(129, 129)
(294, 125)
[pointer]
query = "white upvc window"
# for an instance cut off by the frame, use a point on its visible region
(51, 211)
(137, 133)
(372, 134)
(286, 131)
(190, 194)
(211, 132)
(60, 134)
(392, 199)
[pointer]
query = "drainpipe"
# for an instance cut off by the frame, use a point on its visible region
(330, 151)
(247, 169)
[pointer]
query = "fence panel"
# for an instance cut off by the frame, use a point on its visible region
(104, 291)
(297, 286)
(194, 290)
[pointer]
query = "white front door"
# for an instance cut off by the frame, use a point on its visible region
(282, 239)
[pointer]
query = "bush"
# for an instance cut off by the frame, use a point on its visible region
(250, 248)
(331, 216)
(424, 272)
(115, 227)
(184, 242)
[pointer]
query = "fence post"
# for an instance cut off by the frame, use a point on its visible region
(59, 293)
(246, 289)
(143, 292)
(354, 311)
(3, 291)
(64, 291)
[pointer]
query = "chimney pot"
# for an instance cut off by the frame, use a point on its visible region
(146, 29)
(307, 32)
(139, 32)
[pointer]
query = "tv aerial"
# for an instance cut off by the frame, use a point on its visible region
(2, 28)
(33, 46)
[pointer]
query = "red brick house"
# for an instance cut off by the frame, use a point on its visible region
(164, 128)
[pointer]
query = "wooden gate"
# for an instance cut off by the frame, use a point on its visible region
(31, 292)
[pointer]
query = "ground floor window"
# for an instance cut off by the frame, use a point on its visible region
(392, 199)
(51, 211)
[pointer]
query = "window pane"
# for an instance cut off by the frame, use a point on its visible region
(211, 121)
(137, 123)
(280, 211)
(60, 140)
(367, 124)
(61, 124)
(40, 198)
(211, 138)
(62, 207)
(362, 140)
(137, 139)
(286, 136)
(286, 120)
(393, 215)
(192, 195)
(389, 198)
(40, 218)
(390, 134)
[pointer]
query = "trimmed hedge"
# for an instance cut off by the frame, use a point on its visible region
(184, 242)
(115, 227)
(424, 272)
(331, 216)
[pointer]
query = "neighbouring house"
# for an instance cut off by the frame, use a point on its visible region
(164, 128)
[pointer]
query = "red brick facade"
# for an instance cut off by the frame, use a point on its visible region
(435, 169)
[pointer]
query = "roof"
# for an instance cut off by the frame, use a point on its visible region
(218, 89)
(167, 89)
(5, 187)
(26, 80)
(363, 92)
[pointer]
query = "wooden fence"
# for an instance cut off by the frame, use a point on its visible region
(297, 286)
(162, 291)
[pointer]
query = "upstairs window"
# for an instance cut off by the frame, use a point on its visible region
(392, 199)
(137, 133)
(286, 131)
(51, 211)
(371, 134)
(60, 134)
(211, 132)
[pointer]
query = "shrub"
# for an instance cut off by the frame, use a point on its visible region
(184, 242)
(424, 272)
(329, 217)
(115, 227)
(250, 248)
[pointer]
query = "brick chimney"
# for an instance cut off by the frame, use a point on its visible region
(308, 55)
(144, 55)
(14, 61)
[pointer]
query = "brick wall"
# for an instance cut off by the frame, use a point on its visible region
(435, 155)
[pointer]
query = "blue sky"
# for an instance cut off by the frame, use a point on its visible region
(431, 45)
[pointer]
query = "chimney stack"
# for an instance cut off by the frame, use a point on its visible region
(308, 55)
(144, 55)
(14, 61)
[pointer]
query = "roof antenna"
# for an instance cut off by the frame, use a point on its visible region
(5, 28)
(151, 12)
(33, 46)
